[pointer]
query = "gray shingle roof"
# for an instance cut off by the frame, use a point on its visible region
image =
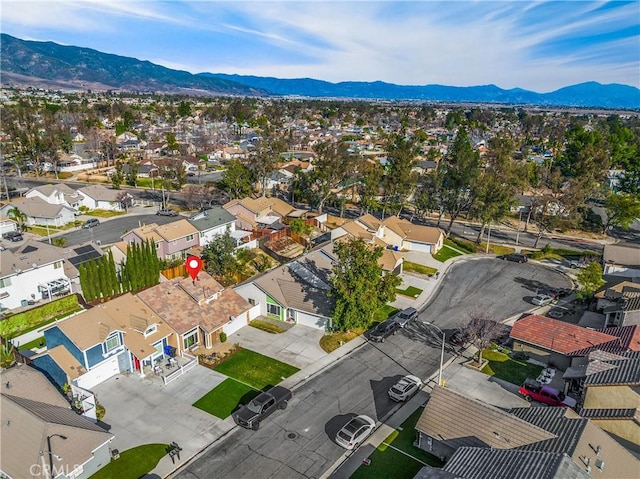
(612, 413)
(557, 421)
(211, 218)
(483, 463)
(626, 371)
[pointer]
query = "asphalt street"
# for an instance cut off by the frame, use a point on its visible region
(299, 442)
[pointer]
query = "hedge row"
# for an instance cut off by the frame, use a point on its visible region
(22, 322)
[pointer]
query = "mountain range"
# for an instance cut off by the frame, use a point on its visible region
(50, 65)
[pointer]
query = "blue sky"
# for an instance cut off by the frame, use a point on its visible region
(540, 46)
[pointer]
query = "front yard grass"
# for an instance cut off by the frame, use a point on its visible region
(410, 267)
(225, 397)
(503, 367)
(255, 369)
(36, 343)
(105, 213)
(133, 463)
(267, 326)
(445, 253)
(411, 291)
(332, 341)
(397, 457)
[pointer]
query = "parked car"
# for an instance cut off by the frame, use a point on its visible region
(261, 407)
(405, 316)
(533, 390)
(384, 330)
(542, 299)
(91, 222)
(13, 236)
(166, 212)
(516, 257)
(355, 431)
(405, 388)
(556, 313)
(574, 264)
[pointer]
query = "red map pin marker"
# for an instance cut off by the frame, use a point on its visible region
(194, 265)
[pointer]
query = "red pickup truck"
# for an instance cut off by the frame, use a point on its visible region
(535, 391)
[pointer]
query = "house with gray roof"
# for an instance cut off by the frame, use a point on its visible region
(41, 435)
(39, 212)
(212, 223)
(538, 437)
(622, 259)
(56, 194)
(295, 292)
(101, 197)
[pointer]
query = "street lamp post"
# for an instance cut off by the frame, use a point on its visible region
(518, 229)
(441, 351)
(51, 454)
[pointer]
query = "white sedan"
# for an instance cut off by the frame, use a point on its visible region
(405, 388)
(542, 300)
(355, 431)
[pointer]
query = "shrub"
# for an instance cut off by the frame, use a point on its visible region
(519, 356)
(19, 323)
(223, 337)
(100, 411)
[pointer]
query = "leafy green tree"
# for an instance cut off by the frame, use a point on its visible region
(400, 179)
(219, 256)
(359, 285)
(266, 158)
(117, 177)
(132, 174)
(333, 164)
(299, 227)
(460, 169)
(589, 280)
(184, 109)
(371, 175)
(237, 180)
(172, 142)
(622, 209)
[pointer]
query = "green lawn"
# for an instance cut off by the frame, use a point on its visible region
(255, 369)
(410, 267)
(445, 253)
(386, 461)
(385, 312)
(411, 291)
(503, 367)
(224, 398)
(267, 326)
(33, 344)
(133, 463)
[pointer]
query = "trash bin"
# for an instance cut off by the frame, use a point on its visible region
(24, 302)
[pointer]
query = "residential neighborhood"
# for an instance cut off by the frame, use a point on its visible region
(113, 350)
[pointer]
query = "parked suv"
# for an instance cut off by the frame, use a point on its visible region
(13, 236)
(167, 212)
(384, 330)
(516, 257)
(90, 223)
(405, 316)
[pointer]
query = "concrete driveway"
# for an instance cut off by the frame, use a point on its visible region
(144, 411)
(299, 346)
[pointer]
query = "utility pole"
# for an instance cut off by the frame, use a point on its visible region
(488, 238)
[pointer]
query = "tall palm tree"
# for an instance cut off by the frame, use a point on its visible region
(16, 215)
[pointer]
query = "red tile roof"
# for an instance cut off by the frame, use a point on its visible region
(558, 336)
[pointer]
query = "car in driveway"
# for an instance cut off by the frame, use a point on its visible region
(166, 212)
(13, 236)
(405, 316)
(405, 388)
(355, 432)
(515, 257)
(90, 223)
(542, 299)
(533, 390)
(384, 330)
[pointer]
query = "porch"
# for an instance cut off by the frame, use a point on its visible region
(168, 368)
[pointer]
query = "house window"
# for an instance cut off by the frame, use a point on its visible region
(202, 234)
(57, 265)
(150, 330)
(273, 309)
(190, 238)
(191, 338)
(112, 343)
(5, 282)
(252, 301)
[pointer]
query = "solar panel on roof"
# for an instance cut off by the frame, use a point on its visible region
(84, 249)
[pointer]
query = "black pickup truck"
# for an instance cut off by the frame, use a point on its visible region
(261, 407)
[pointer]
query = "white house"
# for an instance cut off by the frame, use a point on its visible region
(31, 274)
(100, 197)
(39, 212)
(56, 194)
(213, 222)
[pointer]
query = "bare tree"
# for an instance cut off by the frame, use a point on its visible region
(482, 331)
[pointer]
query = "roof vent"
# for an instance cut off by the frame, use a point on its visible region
(600, 464)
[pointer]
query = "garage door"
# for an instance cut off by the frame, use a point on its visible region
(234, 325)
(424, 248)
(310, 320)
(100, 373)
